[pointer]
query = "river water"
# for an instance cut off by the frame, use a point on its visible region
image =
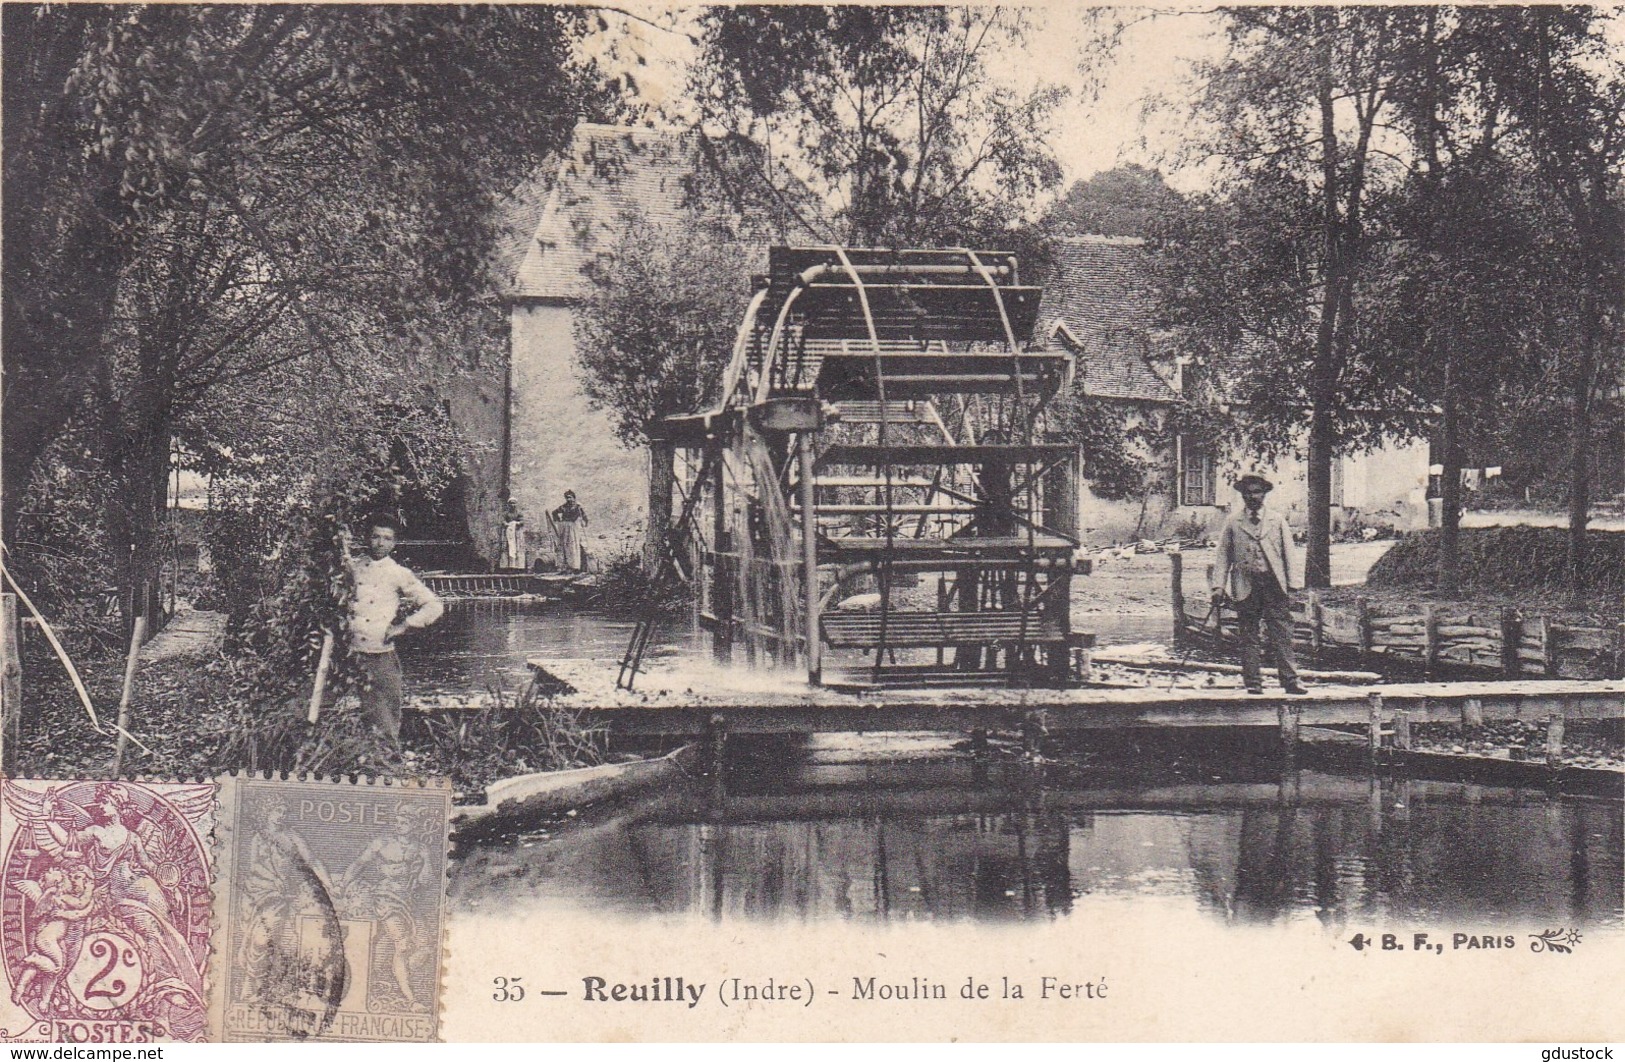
(480, 644)
(917, 829)
(795, 834)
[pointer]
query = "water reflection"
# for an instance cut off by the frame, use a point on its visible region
(960, 841)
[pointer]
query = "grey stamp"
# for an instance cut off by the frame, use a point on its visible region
(330, 911)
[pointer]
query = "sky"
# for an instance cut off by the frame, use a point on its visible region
(1131, 107)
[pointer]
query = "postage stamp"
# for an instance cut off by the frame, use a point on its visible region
(331, 901)
(105, 910)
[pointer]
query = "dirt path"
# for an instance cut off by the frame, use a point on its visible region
(191, 633)
(1127, 598)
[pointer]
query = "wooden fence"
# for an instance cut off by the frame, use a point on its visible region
(1418, 638)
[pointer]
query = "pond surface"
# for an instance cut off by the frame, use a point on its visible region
(886, 829)
(793, 837)
(478, 644)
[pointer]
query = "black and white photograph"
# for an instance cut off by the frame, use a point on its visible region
(891, 522)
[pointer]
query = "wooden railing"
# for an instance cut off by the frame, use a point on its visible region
(1418, 638)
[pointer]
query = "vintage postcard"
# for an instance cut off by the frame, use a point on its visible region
(331, 921)
(105, 911)
(867, 521)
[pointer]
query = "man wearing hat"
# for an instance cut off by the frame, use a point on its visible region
(1253, 573)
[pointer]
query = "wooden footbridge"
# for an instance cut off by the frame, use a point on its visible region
(693, 703)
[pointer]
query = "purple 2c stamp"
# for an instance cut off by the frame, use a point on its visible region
(332, 901)
(105, 911)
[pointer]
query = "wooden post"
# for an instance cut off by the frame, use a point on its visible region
(1554, 741)
(1178, 585)
(1619, 651)
(1033, 728)
(1402, 730)
(718, 734)
(809, 556)
(1288, 715)
(1548, 645)
(1317, 625)
(1374, 722)
(1511, 638)
(138, 634)
(1472, 719)
(11, 670)
(1061, 513)
(722, 576)
(1362, 609)
(1430, 628)
(318, 687)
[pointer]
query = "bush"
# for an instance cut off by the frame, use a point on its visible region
(625, 589)
(1505, 560)
(511, 736)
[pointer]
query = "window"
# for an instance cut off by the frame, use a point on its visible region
(1195, 472)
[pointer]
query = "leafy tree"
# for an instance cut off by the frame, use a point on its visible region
(1467, 268)
(1126, 200)
(656, 332)
(1266, 284)
(893, 114)
(1563, 85)
(251, 188)
(1113, 449)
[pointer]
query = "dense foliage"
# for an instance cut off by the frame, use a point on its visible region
(1506, 559)
(1416, 228)
(898, 116)
(187, 257)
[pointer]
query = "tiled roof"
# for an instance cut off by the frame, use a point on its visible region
(573, 210)
(518, 213)
(1099, 291)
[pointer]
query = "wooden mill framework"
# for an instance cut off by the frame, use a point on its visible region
(870, 494)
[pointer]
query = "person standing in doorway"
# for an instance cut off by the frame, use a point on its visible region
(384, 590)
(569, 520)
(1253, 573)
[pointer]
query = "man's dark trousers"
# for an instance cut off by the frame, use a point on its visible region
(1266, 604)
(381, 689)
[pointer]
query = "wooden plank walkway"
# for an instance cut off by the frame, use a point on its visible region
(191, 633)
(704, 700)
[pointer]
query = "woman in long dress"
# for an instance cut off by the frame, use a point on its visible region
(569, 519)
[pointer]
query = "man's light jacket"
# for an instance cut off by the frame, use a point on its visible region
(1274, 538)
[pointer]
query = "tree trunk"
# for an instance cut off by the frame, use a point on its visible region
(64, 247)
(1317, 571)
(135, 513)
(1447, 576)
(1323, 386)
(1580, 446)
(662, 478)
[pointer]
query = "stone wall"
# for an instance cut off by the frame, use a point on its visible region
(1387, 486)
(559, 443)
(476, 404)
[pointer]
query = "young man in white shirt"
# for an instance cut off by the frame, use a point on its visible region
(383, 590)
